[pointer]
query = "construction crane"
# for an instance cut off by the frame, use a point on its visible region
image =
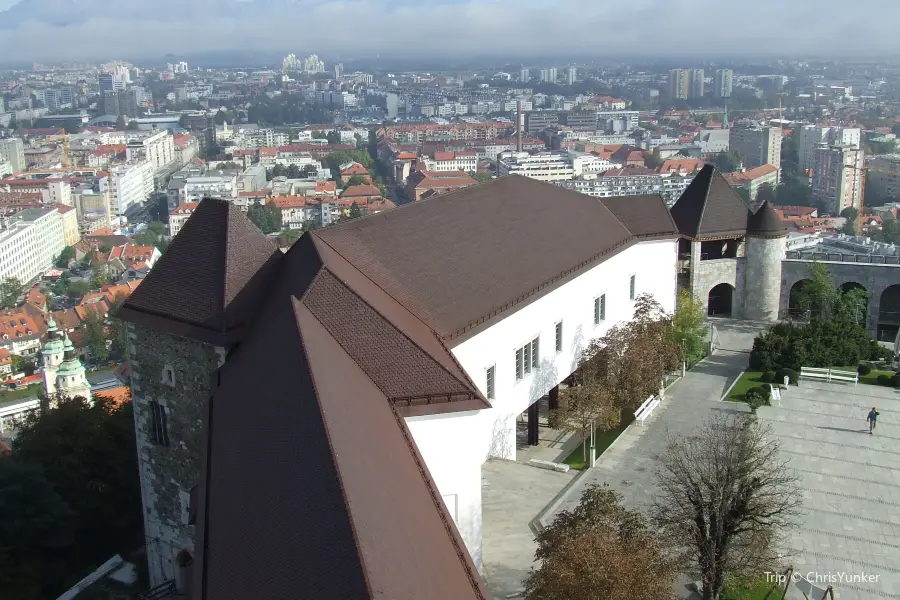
(862, 192)
(62, 136)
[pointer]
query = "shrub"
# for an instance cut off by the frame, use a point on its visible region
(817, 344)
(885, 379)
(754, 399)
(761, 391)
(863, 369)
(895, 380)
(768, 377)
(792, 375)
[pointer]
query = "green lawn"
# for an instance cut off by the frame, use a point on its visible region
(748, 380)
(753, 591)
(19, 394)
(602, 441)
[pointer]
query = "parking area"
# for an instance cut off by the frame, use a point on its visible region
(849, 534)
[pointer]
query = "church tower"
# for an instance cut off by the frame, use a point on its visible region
(71, 380)
(52, 354)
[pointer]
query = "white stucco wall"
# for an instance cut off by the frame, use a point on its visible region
(455, 446)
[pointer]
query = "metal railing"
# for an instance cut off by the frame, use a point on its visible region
(872, 259)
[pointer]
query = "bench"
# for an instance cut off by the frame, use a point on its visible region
(829, 375)
(646, 409)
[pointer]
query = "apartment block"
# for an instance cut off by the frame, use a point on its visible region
(883, 175)
(697, 83)
(158, 149)
(13, 151)
(723, 83)
(29, 241)
(129, 185)
(838, 177)
(813, 136)
(757, 146)
(679, 84)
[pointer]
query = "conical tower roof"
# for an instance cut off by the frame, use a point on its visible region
(211, 280)
(710, 208)
(765, 223)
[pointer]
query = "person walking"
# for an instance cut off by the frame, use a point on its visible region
(871, 419)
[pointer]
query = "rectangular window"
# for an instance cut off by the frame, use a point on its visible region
(490, 383)
(159, 422)
(528, 357)
(559, 337)
(599, 309)
(631, 290)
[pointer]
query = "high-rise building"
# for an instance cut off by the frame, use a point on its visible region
(552, 74)
(838, 177)
(313, 65)
(51, 100)
(107, 83)
(757, 146)
(571, 74)
(338, 70)
(13, 150)
(291, 63)
(679, 84)
(524, 75)
(813, 136)
(723, 83)
(697, 83)
(111, 103)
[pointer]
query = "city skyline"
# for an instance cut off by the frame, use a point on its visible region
(103, 27)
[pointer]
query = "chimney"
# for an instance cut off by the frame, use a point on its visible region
(518, 125)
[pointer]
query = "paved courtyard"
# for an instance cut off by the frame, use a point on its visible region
(850, 482)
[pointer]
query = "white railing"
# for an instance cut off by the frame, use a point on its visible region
(829, 375)
(646, 409)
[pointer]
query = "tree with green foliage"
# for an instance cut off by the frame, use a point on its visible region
(65, 257)
(22, 364)
(356, 180)
(482, 176)
(121, 125)
(101, 276)
(38, 535)
(765, 193)
(601, 549)
(267, 217)
(793, 192)
(333, 137)
(95, 336)
(744, 194)
(10, 290)
(688, 330)
(355, 211)
(98, 483)
(727, 162)
(852, 215)
(889, 232)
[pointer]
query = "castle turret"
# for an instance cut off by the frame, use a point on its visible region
(52, 354)
(71, 380)
(764, 251)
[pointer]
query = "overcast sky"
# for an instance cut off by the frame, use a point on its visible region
(456, 28)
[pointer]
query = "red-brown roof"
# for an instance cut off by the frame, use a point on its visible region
(185, 208)
(360, 191)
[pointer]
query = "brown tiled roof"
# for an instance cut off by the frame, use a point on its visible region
(765, 222)
(642, 215)
(710, 207)
(433, 274)
(326, 439)
(210, 280)
(360, 191)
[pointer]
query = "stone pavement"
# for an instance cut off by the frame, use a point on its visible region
(513, 495)
(850, 482)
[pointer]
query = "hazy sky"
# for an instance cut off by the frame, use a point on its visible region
(453, 28)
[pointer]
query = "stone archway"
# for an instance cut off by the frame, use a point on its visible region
(889, 314)
(863, 309)
(721, 300)
(798, 307)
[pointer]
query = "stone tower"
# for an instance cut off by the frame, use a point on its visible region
(182, 321)
(764, 251)
(52, 353)
(71, 380)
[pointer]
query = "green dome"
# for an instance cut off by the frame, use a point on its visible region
(69, 368)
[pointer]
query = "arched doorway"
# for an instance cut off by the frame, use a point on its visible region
(184, 561)
(720, 298)
(862, 307)
(798, 304)
(889, 314)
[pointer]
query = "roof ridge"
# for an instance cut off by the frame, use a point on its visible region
(397, 329)
(705, 199)
(331, 450)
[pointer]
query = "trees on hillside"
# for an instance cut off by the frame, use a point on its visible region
(265, 216)
(727, 497)
(601, 550)
(726, 162)
(58, 495)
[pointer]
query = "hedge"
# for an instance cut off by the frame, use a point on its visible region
(814, 344)
(863, 369)
(792, 375)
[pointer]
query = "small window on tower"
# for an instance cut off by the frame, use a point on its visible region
(168, 375)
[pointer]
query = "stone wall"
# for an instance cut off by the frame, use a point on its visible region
(762, 278)
(176, 373)
(707, 274)
(875, 278)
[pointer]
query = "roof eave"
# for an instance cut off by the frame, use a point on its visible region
(436, 407)
(181, 328)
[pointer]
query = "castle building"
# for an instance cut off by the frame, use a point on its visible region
(64, 375)
(314, 423)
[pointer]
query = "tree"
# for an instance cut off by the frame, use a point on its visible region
(793, 192)
(727, 162)
(265, 216)
(744, 193)
(21, 364)
(689, 328)
(852, 215)
(99, 482)
(727, 497)
(482, 176)
(95, 336)
(355, 211)
(121, 125)
(100, 276)
(333, 137)
(65, 257)
(356, 180)
(601, 550)
(132, 125)
(10, 290)
(33, 545)
(765, 193)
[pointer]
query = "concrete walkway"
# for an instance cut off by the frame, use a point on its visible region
(628, 465)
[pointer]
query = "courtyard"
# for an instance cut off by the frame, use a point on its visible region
(850, 480)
